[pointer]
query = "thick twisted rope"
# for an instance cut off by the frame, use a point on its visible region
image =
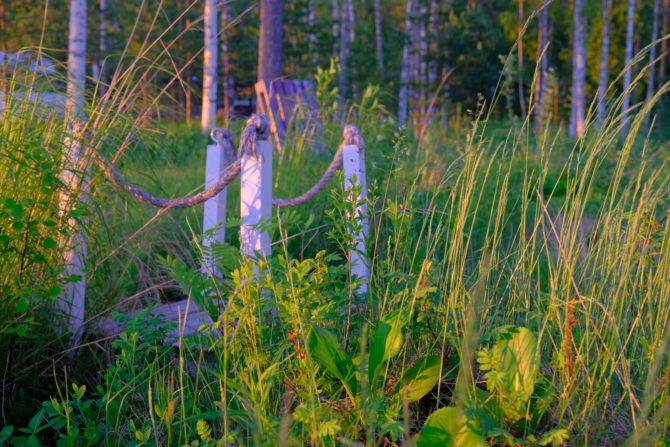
(257, 128)
(352, 136)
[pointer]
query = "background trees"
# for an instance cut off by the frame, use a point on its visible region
(402, 45)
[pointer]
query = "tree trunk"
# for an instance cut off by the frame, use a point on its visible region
(627, 73)
(543, 62)
(228, 85)
(578, 72)
(407, 53)
(652, 55)
(378, 38)
(522, 95)
(76, 57)
(104, 48)
(210, 67)
(345, 34)
(72, 302)
(604, 62)
(271, 42)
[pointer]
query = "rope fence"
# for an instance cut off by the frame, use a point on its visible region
(253, 164)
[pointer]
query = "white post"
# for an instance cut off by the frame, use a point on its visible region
(218, 159)
(256, 200)
(353, 160)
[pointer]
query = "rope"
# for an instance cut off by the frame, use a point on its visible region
(352, 136)
(257, 128)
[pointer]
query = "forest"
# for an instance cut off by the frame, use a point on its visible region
(451, 225)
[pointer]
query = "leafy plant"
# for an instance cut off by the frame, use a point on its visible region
(363, 377)
(511, 366)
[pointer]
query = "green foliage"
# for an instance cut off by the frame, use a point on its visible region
(511, 367)
(511, 371)
(450, 427)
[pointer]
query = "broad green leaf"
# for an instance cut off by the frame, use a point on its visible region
(450, 427)
(387, 342)
(420, 378)
(326, 351)
(512, 366)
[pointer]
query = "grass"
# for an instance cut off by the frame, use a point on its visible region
(482, 229)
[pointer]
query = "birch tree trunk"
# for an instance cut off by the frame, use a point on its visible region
(271, 42)
(522, 95)
(578, 72)
(72, 302)
(345, 34)
(407, 52)
(228, 84)
(627, 73)
(378, 37)
(604, 62)
(652, 55)
(542, 62)
(210, 67)
(104, 47)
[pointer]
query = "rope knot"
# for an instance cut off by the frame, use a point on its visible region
(225, 139)
(352, 136)
(257, 128)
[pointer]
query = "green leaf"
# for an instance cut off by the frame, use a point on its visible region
(6, 433)
(450, 427)
(49, 243)
(21, 305)
(420, 378)
(386, 344)
(512, 365)
(326, 351)
(555, 437)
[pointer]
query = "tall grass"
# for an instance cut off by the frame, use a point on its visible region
(482, 226)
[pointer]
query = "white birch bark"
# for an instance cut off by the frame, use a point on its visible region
(627, 74)
(578, 72)
(378, 37)
(73, 300)
(209, 78)
(652, 55)
(406, 61)
(604, 62)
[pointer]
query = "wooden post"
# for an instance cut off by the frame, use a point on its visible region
(219, 157)
(353, 160)
(256, 200)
